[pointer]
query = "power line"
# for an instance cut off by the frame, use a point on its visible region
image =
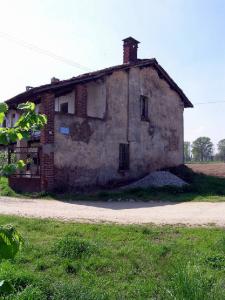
(67, 61)
(37, 49)
(210, 102)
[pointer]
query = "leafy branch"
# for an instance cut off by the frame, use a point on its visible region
(29, 121)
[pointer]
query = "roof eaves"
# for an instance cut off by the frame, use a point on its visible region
(97, 75)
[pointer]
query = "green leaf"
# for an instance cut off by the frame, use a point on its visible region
(6, 288)
(25, 134)
(21, 164)
(42, 119)
(19, 136)
(9, 169)
(3, 138)
(12, 135)
(28, 106)
(2, 116)
(3, 107)
(10, 242)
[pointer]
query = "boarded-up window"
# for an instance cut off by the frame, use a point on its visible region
(96, 99)
(144, 108)
(124, 157)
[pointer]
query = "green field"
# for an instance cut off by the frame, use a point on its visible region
(85, 261)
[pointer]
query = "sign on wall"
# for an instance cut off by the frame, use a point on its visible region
(64, 130)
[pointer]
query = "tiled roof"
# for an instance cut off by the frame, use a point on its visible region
(56, 86)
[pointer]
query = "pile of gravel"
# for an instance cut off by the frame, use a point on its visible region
(157, 179)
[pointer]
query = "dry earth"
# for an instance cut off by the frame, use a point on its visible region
(214, 169)
(188, 213)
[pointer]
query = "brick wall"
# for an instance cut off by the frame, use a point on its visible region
(47, 141)
(130, 51)
(81, 100)
(25, 185)
(47, 107)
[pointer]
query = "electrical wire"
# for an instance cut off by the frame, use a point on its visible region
(210, 102)
(39, 50)
(67, 61)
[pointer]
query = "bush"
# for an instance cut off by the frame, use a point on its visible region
(74, 247)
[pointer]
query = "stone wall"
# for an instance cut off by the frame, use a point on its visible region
(87, 153)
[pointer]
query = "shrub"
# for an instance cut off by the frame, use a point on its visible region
(74, 247)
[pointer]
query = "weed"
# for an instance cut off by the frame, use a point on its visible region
(190, 283)
(29, 293)
(74, 247)
(216, 262)
(72, 267)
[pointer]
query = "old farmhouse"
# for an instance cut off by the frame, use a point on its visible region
(104, 127)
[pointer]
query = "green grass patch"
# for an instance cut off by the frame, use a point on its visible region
(98, 261)
(72, 246)
(5, 189)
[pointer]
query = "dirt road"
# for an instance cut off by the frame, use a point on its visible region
(189, 213)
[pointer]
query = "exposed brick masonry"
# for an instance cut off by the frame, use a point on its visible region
(81, 100)
(47, 142)
(130, 47)
(47, 107)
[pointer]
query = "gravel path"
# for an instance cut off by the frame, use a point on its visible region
(189, 213)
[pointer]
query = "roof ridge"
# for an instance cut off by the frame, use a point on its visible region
(97, 74)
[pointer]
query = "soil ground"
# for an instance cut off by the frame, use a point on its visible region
(212, 169)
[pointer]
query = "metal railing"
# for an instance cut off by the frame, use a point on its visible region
(31, 157)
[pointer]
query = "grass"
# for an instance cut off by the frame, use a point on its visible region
(85, 261)
(5, 190)
(201, 187)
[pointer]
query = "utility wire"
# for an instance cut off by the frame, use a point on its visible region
(67, 61)
(210, 102)
(37, 49)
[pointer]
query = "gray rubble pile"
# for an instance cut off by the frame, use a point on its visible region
(157, 179)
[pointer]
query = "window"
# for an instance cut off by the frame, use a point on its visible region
(144, 108)
(64, 108)
(124, 157)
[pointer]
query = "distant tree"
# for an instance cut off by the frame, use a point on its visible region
(187, 151)
(221, 149)
(202, 149)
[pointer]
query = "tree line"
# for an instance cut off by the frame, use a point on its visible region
(203, 150)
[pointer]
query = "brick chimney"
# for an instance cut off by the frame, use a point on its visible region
(130, 46)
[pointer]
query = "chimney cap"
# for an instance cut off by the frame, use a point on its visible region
(54, 80)
(130, 40)
(28, 87)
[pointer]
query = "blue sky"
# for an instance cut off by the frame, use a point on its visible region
(186, 37)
